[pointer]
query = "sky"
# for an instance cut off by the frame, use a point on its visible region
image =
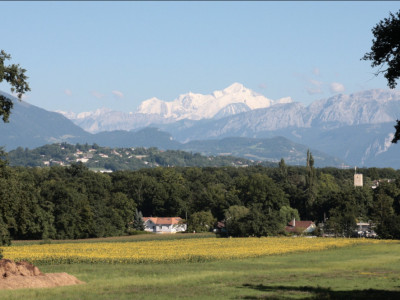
(81, 56)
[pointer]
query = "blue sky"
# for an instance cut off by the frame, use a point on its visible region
(85, 55)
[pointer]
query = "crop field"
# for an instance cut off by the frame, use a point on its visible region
(167, 251)
(212, 268)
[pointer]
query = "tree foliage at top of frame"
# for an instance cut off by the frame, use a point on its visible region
(15, 76)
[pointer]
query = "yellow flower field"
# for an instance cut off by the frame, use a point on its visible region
(164, 251)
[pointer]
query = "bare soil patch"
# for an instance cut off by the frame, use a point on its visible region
(17, 275)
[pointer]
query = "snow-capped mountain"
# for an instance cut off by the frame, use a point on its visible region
(197, 106)
(230, 101)
(102, 119)
(367, 107)
(356, 128)
(241, 108)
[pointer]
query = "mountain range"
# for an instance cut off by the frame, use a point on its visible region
(232, 100)
(351, 129)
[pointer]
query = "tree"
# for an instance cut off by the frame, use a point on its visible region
(310, 180)
(261, 224)
(385, 50)
(385, 53)
(3, 159)
(201, 221)
(383, 213)
(264, 198)
(234, 220)
(138, 222)
(288, 214)
(283, 171)
(342, 219)
(15, 76)
(397, 132)
(327, 186)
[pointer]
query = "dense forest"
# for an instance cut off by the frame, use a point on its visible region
(74, 202)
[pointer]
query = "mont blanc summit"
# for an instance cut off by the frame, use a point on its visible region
(234, 99)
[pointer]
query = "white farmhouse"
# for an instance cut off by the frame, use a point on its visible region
(164, 225)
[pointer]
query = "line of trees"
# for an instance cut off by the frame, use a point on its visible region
(74, 202)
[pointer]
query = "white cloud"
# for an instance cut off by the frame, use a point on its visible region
(336, 87)
(68, 92)
(118, 94)
(97, 94)
(316, 71)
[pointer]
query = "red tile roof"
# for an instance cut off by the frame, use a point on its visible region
(163, 221)
(298, 225)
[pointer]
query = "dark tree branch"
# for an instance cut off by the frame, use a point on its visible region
(15, 76)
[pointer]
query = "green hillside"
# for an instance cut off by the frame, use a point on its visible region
(112, 159)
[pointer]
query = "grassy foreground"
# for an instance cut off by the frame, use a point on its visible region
(370, 271)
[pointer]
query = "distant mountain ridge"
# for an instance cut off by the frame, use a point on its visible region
(237, 104)
(267, 149)
(197, 106)
(355, 128)
(368, 107)
(230, 101)
(32, 127)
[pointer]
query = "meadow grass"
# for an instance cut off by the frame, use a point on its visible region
(370, 271)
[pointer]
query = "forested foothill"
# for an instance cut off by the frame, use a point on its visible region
(74, 202)
(112, 159)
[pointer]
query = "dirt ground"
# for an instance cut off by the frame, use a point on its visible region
(25, 275)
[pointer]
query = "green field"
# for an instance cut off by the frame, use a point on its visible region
(359, 272)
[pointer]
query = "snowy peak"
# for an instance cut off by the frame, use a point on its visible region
(367, 107)
(246, 108)
(284, 100)
(234, 88)
(84, 115)
(153, 106)
(198, 106)
(232, 109)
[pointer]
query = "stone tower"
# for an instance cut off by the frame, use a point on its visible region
(358, 178)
